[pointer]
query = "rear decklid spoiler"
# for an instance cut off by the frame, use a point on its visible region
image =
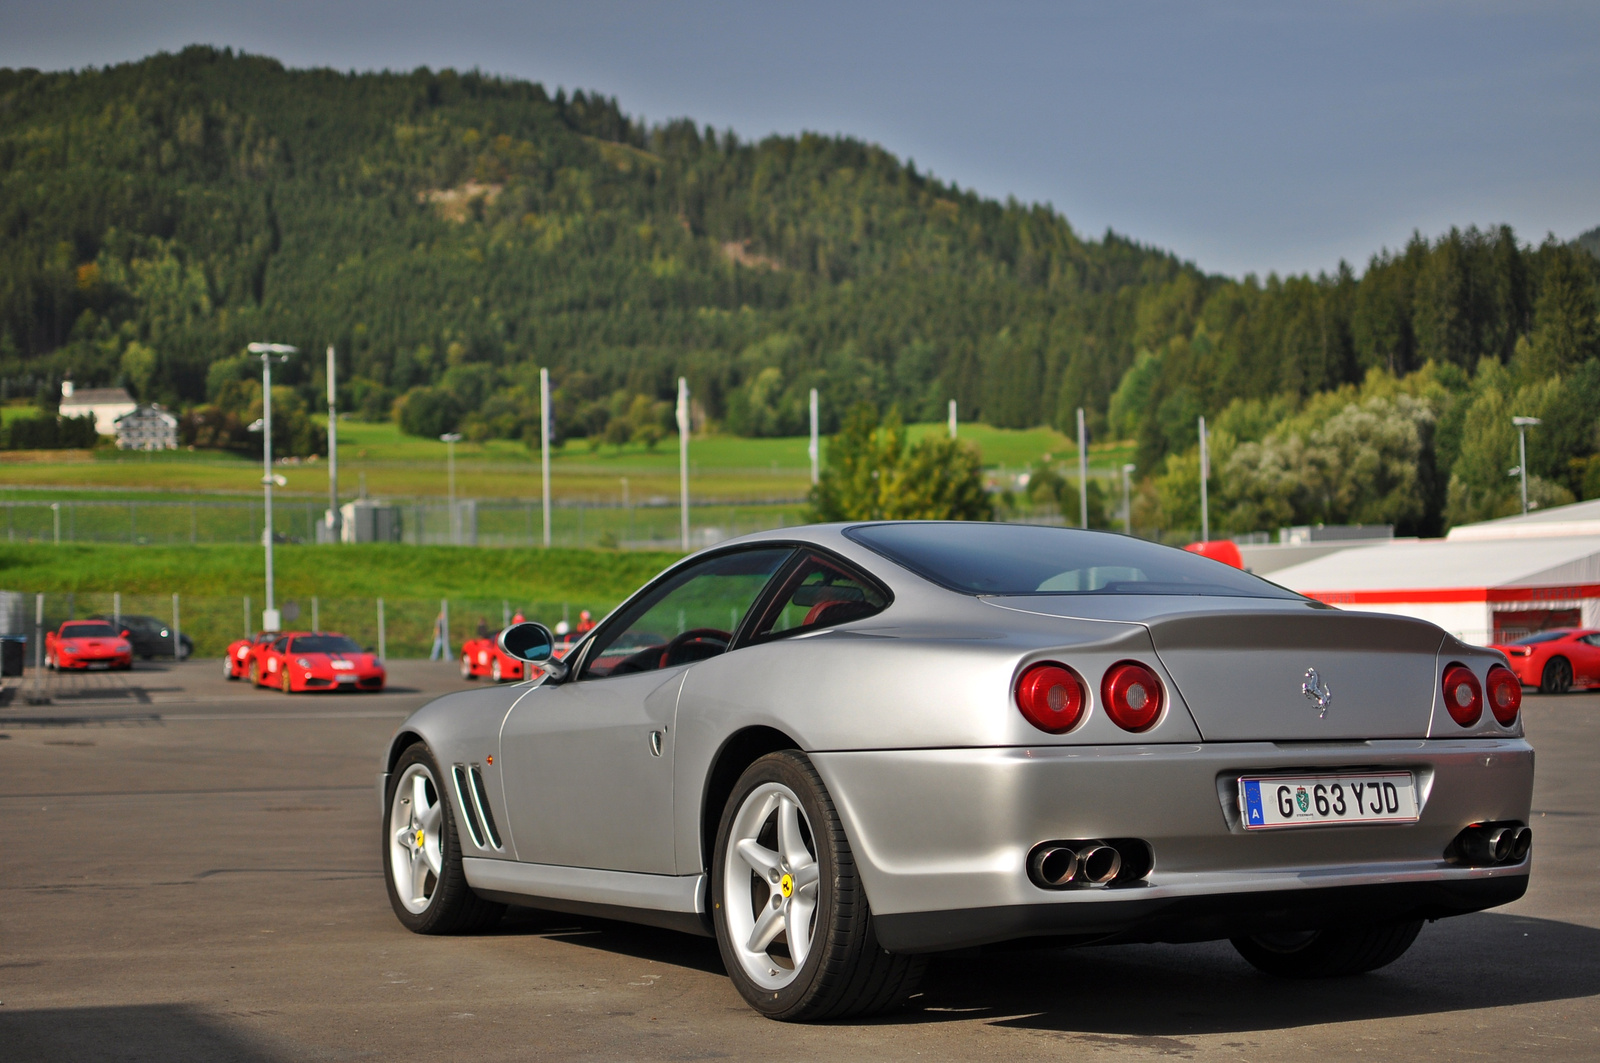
(1274, 670)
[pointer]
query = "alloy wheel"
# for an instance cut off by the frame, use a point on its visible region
(416, 838)
(770, 885)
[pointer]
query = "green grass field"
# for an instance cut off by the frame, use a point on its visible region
(391, 465)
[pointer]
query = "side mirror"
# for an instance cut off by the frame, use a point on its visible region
(535, 644)
(124, 633)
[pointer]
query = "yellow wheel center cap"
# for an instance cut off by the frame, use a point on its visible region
(786, 885)
(422, 838)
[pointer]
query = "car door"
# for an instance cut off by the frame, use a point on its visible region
(1586, 660)
(588, 762)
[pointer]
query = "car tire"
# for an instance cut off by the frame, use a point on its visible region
(1557, 676)
(285, 684)
(227, 669)
(1334, 952)
(427, 886)
(466, 667)
(780, 817)
(255, 673)
(495, 672)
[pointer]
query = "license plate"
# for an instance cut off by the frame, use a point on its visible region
(1269, 801)
(95, 665)
(345, 678)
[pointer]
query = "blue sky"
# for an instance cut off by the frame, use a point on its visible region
(1244, 136)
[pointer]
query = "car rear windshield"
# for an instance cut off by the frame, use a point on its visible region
(1541, 636)
(325, 644)
(979, 558)
(88, 631)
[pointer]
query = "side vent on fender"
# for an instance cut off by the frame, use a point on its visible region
(480, 798)
(468, 802)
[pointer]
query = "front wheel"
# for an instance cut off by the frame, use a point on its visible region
(791, 916)
(466, 667)
(1557, 677)
(422, 853)
(227, 669)
(494, 671)
(1334, 952)
(284, 683)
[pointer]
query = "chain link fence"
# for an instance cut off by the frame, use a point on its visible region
(474, 522)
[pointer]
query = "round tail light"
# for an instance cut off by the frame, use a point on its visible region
(1050, 696)
(1505, 695)
(1462, 695)
(1132, 696)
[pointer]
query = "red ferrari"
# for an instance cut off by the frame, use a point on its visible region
(88, 644)
(320, 660)
(1556, 661)
(483, 656)
(236, 662)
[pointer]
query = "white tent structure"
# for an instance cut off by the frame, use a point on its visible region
(1488, 582)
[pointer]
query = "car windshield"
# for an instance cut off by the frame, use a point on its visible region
(326, 644)
(88, 631)
(1540, 636)
(981, 558)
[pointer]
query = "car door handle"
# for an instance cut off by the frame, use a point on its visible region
(655, 743)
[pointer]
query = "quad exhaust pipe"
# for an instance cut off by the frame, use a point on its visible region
(1062, 865)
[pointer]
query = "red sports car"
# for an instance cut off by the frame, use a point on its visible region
(321, 660)
(1556, 661)
(483, 657)
(87, 644)
(236, 662)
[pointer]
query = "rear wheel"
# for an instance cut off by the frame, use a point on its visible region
(1557, 677)
(422, 854)
(791, 916)
(1333, 952)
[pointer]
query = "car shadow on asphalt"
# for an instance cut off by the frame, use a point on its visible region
(161, 1033)
(1467, 963)
(625, 939)
(1486, 960)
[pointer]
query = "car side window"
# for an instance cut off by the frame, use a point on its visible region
(819, 593)
(1593, 640)
(281, 646)
(688, 617)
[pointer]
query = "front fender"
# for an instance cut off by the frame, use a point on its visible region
(462, 729)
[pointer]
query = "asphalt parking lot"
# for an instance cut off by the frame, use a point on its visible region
(189, 870)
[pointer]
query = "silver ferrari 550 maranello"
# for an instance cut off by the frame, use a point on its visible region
(841, 748)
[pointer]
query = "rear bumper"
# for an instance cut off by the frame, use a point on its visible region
(941, 836)
(1207, 917)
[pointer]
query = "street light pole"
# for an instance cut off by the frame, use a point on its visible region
(1523, 424)
(544, 446)
(334, 518)
(1127, 506)
(450, 439)
(683, 457)
(1083, 471)
(813, 449)
(1205, 474)
(269, 352)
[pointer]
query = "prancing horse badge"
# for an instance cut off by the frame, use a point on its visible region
(1316, 690)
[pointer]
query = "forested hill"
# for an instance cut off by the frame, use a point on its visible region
(450, 233)
(444, 227)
